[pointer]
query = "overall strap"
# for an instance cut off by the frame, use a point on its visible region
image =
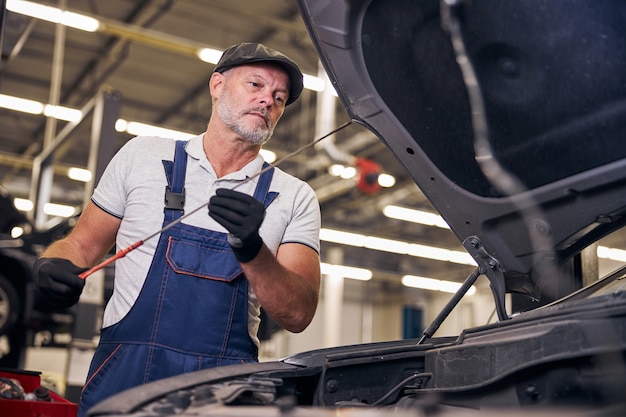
(175, 191)
(262, 187)
(175, 188)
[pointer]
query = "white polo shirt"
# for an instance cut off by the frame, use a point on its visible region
(132, 188)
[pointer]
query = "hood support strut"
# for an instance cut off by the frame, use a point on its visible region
(443, 314)
(487, 266)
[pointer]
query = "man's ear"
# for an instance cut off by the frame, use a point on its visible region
(215, 83)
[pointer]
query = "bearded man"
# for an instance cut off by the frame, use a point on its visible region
(191, 299)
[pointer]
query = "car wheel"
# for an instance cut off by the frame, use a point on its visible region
(10, 306)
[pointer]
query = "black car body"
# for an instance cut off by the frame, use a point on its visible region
(510, 116)
(23, 311)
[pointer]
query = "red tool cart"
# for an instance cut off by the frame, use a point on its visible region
(37, 401)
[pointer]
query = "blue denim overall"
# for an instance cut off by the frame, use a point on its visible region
(191, 313)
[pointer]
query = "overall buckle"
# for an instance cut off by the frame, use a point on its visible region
(174, 201)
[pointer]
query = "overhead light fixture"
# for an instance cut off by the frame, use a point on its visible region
(611, 253)
(395, 246)
(21, 104)
(210, 55)
(313, 83)
(351, 272)
(62, 113)
(74, 115)
(349, 172)
(60, 210)
(51, 209)
(335, 170)
(90, 24)
(34, 107)
(79, 174)
(54, 15)
(415, 216)
(17, 231)
(268, 156)
(342, 171)
(386, 180)
(23, 204)
(434, 284)
(144, 129)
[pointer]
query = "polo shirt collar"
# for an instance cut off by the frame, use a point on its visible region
(195, 149)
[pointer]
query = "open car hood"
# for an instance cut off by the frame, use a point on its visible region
(550, 173)
(548, 181)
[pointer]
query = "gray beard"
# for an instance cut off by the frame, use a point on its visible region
(253, 136)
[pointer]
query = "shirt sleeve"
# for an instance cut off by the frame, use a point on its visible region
(111, 193)
(304, 226)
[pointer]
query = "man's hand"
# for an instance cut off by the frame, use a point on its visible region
(242, 216)
(58, 280)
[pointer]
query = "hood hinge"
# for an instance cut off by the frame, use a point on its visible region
(489, 267)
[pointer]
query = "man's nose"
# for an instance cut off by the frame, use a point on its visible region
(266, 99)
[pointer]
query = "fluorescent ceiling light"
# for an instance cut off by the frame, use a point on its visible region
(346, 271)
(440, 254)
(51, 209)
(434, 284)
(60, 210)
(16, 232)
(344, 238)
(336, 169)
(36, 10)
(121, 125)
(143, 129)
(313, 83)
(74, 115)
(611, 253)
(268, 156)
(34, 107)
(210, 55)
(345, 172)
(90, 24)
(21, 104)
(23, 204)
(415, 216)
(395, 246)
(79, 21)
(348, 173)
(62, 113)
(54, 15)
(386, 180)
(79, 174)
(385, 245)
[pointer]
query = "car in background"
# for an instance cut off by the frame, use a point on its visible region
(23, 312)
(510, 116)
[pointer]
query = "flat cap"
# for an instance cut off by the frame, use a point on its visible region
(247, 53)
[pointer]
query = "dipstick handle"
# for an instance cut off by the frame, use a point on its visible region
(118, 255)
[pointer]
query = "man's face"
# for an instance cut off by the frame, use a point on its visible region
(252, 99)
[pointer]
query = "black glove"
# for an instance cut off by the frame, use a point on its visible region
(242, 216)
(58, 280)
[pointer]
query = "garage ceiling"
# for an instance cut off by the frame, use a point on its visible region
(166, 87)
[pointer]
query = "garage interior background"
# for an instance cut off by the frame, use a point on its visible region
(142, 57)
